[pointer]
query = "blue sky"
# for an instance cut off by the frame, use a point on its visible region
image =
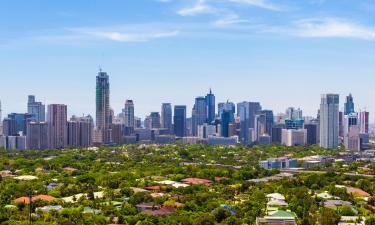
(279, 52)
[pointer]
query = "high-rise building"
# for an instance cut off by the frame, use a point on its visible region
(349, 105)
(225, 121)
(37, 135)
(128, 113)
(277, 133)
(364, 118)
(228, 106)
(80, 131)
(9, 127)
(312, 133)
(329, 121)
(103, 114)
(294, 114)
(294, 118)
(57, 126)
(19, 120)
(199, 114)
(210, 104)
(269, 121)
(247, 112)
(293, 137)
(205, 130)
(155, 120)
(166, 117)
(179, 120)
(36, 109)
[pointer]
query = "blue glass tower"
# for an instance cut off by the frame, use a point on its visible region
(349, 105)
(225, 120)
(210, 103)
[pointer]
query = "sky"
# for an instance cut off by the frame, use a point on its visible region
(281, 53)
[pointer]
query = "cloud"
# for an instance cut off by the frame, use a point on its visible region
(131, 37)
(228, 20)
(332, 28)
(200, 7)
(264, 4)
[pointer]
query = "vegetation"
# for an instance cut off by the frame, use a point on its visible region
(108, 177)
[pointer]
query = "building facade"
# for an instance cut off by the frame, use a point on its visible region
(57, 126)
(329, 121)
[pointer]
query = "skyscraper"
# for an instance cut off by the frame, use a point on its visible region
(103, 115)
(351, 131)
(129, 113)
(329, 121)
(210, 103)
(364, 117)
(20, 121)
(155, 120)
(37, 135)
(225, 120)
(179, 120)
(294, 119)
(349, 105)
(57, 126)
(199, 114)
(166, 116)
(228, 106)
(247, 112)
(36, 109)
(80, 131)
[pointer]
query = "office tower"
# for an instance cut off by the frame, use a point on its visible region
(117, 133)
(103, 114)
(128, 113)
(294, 114)
(349, 105)
(80, 131)
(37, 135)
(179, 120)
(57, 125)
(155, 120)
(166, 117)
(205, 130)
(247, 112)
(210, 104)
(351, 131)
(329, 121)
(269, 120)
(294, 118)
(9, 127)
(20, 120)
(277, 133)
(364, 122)
(312, 133)
(147, 122)
(294, 137)
(265, 139)
(199, 114)
(341, 124)
(226, 117)
(229, 106)
(1, 112)
(138, 122)
(36, 109)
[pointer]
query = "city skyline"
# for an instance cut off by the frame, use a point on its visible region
(343, 98)
(280, 53)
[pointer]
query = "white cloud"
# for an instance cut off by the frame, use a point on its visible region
(228, 20)
(264, 4)
(131, 37)
(200, 7)
(332, 28)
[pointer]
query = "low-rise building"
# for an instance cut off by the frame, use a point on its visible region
(278, 163)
